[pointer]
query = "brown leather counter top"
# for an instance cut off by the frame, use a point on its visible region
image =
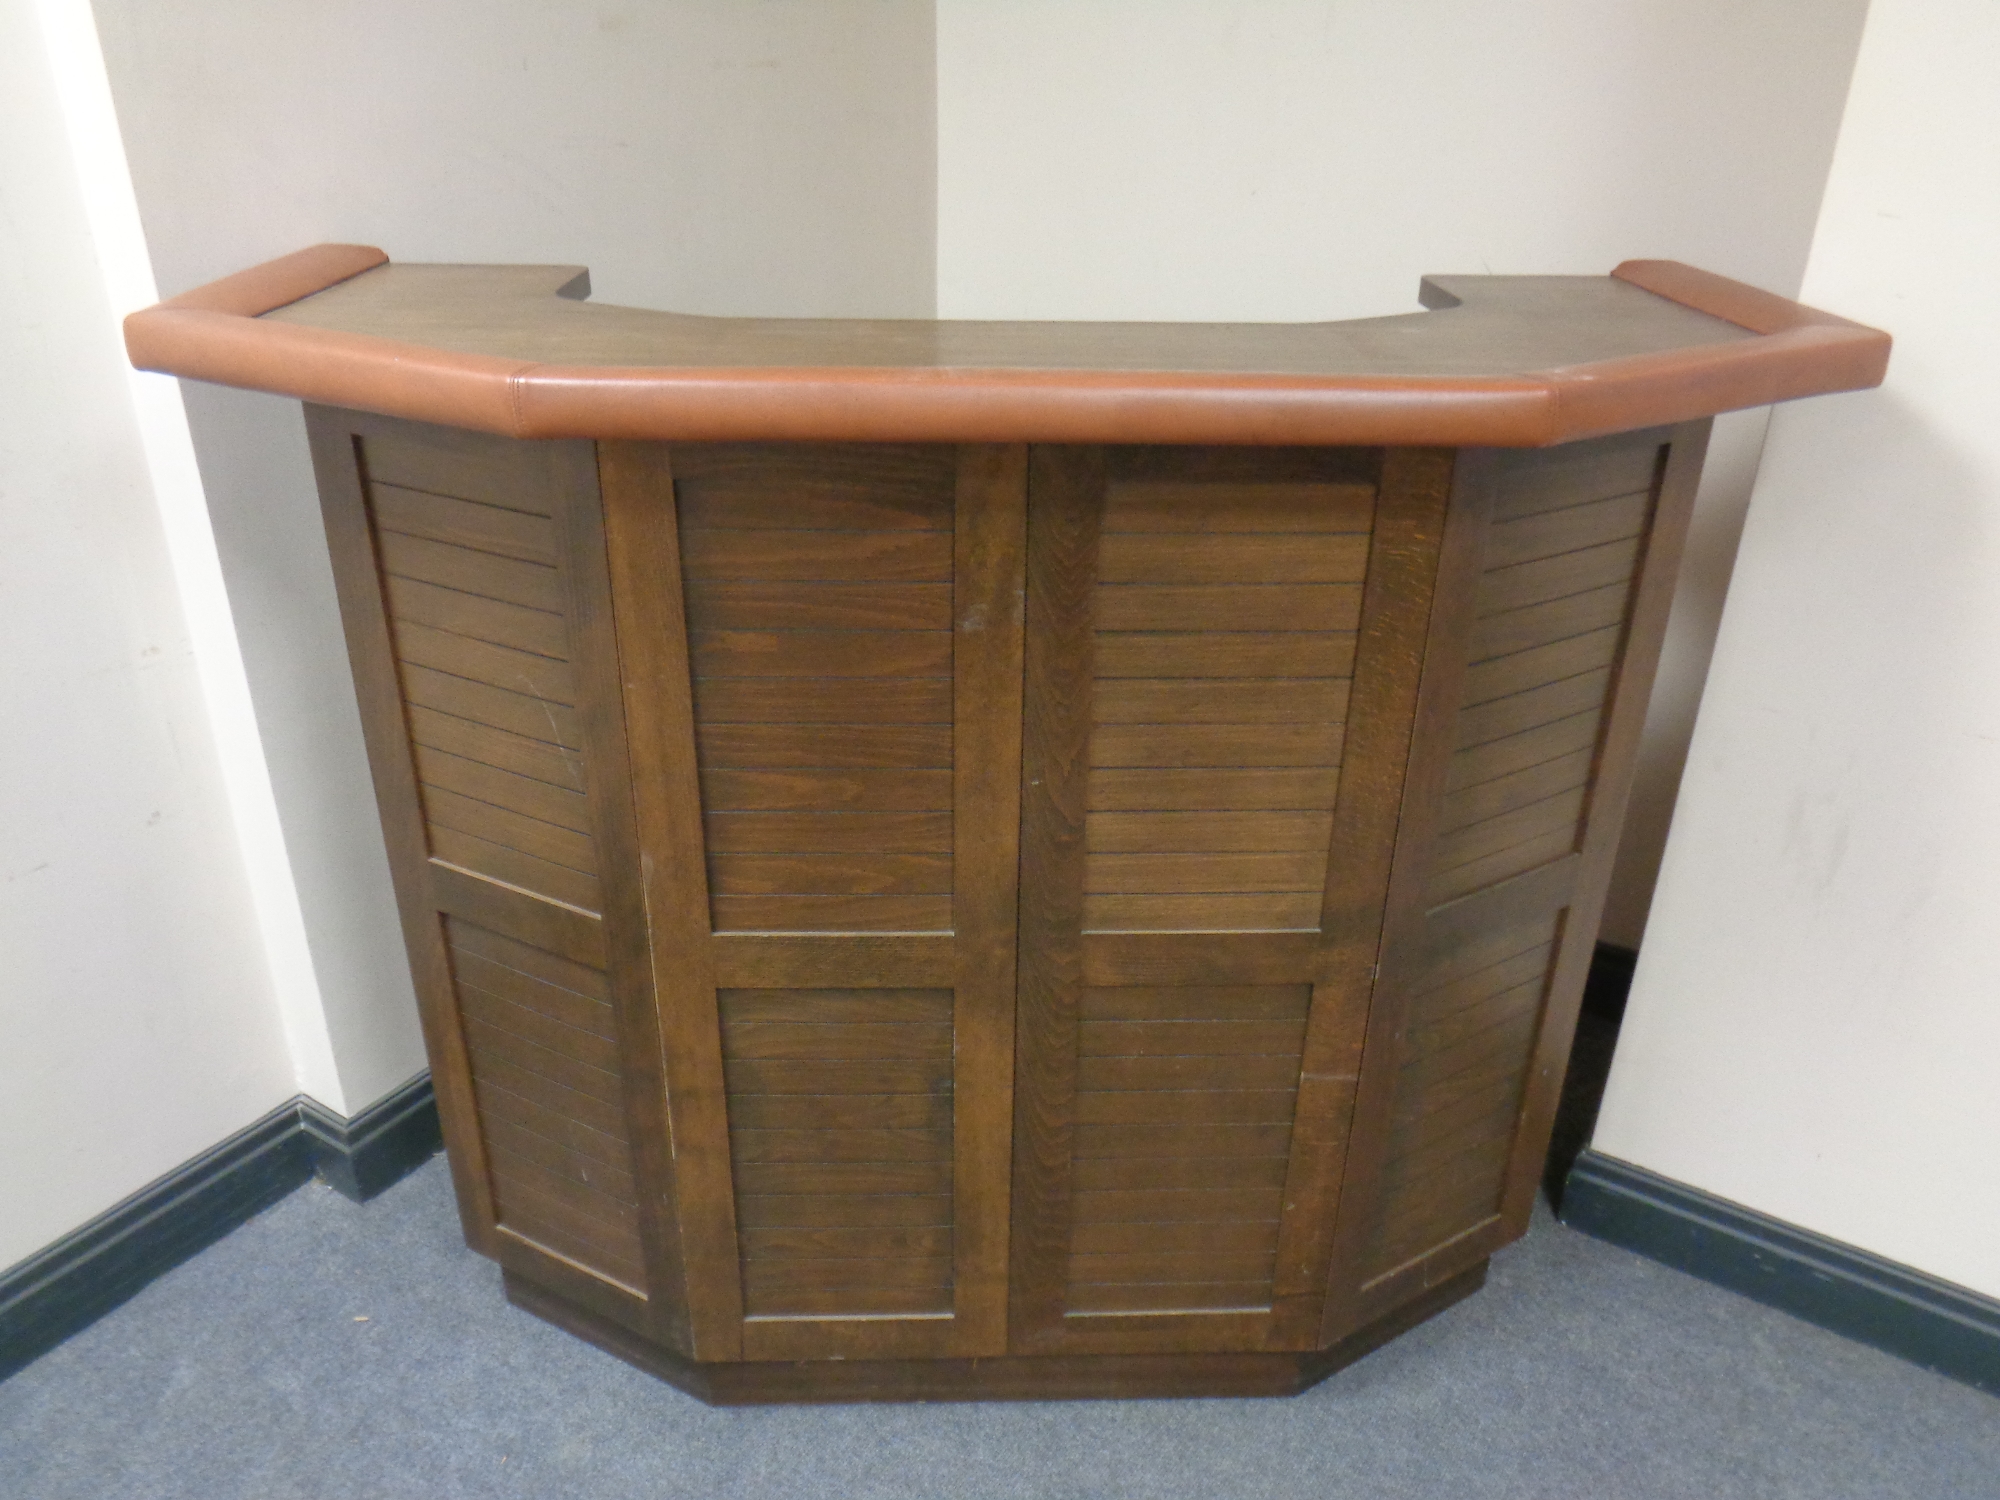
(1506, 361)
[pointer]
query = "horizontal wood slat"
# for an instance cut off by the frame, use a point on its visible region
(825, 746)
(463, 523)
(1220, 506)
(445, 461)
(540, 1036)
(825, 653)
(759, 604)
(519, 831)
(537, 631)
(826, 700)
(841, 1099)
(1183, 1123)
(1574, 474)
(484, 705)
(725, 790)
(844, 1210)
(1173, 652)
(817, 556)
(1285, 700)
(1278, 911)
(1219, 745)
(530, 797)
(832, 913)
(1262, 788)
(828, 833)
(1280, 607)
(819, 607)
(486, 574)
(508, 866)
(1503, 676)
(1270, 558)
(1182, 1174)
(498, 748)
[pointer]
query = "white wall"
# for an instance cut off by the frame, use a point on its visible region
(1815, 1026)
(775, 157)
(138, 1024)
(1300, 159)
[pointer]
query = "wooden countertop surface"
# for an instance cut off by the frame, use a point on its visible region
(1512, 361)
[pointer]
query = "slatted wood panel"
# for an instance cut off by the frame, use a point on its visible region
(1561, 556)
(818, 587)
(539, 1033)
(1554, 594)
(1199, 622)
(1471, 1032)
(823, 647)
(1225, 616)
(477, 614)
(840, 1140)
(1183, 1122)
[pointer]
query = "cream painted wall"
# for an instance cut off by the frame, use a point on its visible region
(703, 155)
(1285, 159)
(1815, 1026)
(138, 1023)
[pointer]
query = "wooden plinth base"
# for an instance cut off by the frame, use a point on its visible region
(1001, 1378)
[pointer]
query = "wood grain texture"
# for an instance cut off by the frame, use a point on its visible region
(1065, 506)
(883, 894)
(557, 1146)
(1678, 453)
(989, 618)
(841, 663)
(642, 545)
(477, 603)
(1408, 533)
(600, 671)
(1553, 600)
(344, 508)
(1205, 564)
(857, 1267)
(1448, 631)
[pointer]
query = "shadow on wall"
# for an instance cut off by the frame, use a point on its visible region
(1706, 565)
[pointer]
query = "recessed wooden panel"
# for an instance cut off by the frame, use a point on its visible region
(819, 610)
(540, 1035)
(1458, 1095)
(885, 1060)
(1176, 1087)
(482, 638)
(1550, 606)
(1223, 646)
(1560, 565)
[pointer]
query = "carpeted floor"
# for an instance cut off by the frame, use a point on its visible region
(1581, 1370)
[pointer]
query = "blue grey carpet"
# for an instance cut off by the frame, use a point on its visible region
(1581, 1370)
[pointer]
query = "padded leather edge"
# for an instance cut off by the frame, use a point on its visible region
(212, 333)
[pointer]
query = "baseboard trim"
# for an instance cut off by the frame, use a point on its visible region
(66, 1287)
(392, 1137)
(1891, 1307)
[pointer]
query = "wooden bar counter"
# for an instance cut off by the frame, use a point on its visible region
(999, 860)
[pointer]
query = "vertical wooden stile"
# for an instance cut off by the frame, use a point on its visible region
(1404, 555)
(1065, 497)
(627, 924)
(1472, 480)
(988, 594)
(642, 535)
